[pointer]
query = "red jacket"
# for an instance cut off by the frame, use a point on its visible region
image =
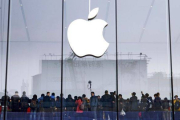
(79, 102)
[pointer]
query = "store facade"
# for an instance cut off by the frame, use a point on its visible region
(142, 57)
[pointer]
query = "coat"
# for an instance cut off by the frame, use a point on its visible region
(79, 102)
(134, 103)
(106, 100)
(93, 101)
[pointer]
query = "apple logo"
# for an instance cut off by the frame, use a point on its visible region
(86, 37)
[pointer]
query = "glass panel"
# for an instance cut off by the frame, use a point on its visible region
(3, 44)
(175, 54)
(79, 72)
(35, 59)
(144, 69)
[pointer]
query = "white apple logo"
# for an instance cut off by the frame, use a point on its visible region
(86, 37)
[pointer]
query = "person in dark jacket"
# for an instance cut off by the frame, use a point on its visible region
(63, 100)
(113, 106)
(24, 102)
(127, 105)
(15, 102)
(74, 105)
(99, 109)
(106, 98)
(121, 103)
(94, 104)
(40, 103)
(166, 112)
(52, 100)
(157, 102)
(134, 102)
(69, 105)
(33, 106)
(3, 104)
(47, 102)
(149, 102)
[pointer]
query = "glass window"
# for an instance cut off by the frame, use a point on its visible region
(3, 46)
(81, 76)
(175, 54)
(143, 57)
(34, 73)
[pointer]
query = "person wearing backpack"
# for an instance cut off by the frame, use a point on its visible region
(24, 102)
(79, 110)
(176, 103)
(33, 106)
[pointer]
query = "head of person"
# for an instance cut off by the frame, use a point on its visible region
(57, 98)
(98, 97)
(114, 92)
(158, 94)
(53, 94)
(34, 97)
(133, 94)
(48, 93)
(16, 93)
(106, 92)
(155, 95)
(42, 95)
(165, 99)
(24, 93)
(83, 95)
(147, 95)
(92, 93)
(61, 95)
(75, 97)
(120, 96)
(176, 97)
(79, 98)
(69, 96)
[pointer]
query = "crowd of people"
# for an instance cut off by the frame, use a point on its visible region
(80, 104)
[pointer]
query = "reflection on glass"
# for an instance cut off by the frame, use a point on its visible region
(144, 68)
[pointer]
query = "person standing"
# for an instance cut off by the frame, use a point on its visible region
(3, 104)
(157, 102)
(33, 106)
(134, 102)
(94, 104)
(24, 102)
(79, 109)
(176, 103)
(106, 98)
(47, 102)
(15, 102)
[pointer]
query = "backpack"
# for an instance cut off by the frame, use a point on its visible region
(81, 107)
(24, 102)
(33, 104)
(177, 105)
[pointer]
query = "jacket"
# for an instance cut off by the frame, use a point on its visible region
(93, 101)
(79, 102)
(106, 100)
